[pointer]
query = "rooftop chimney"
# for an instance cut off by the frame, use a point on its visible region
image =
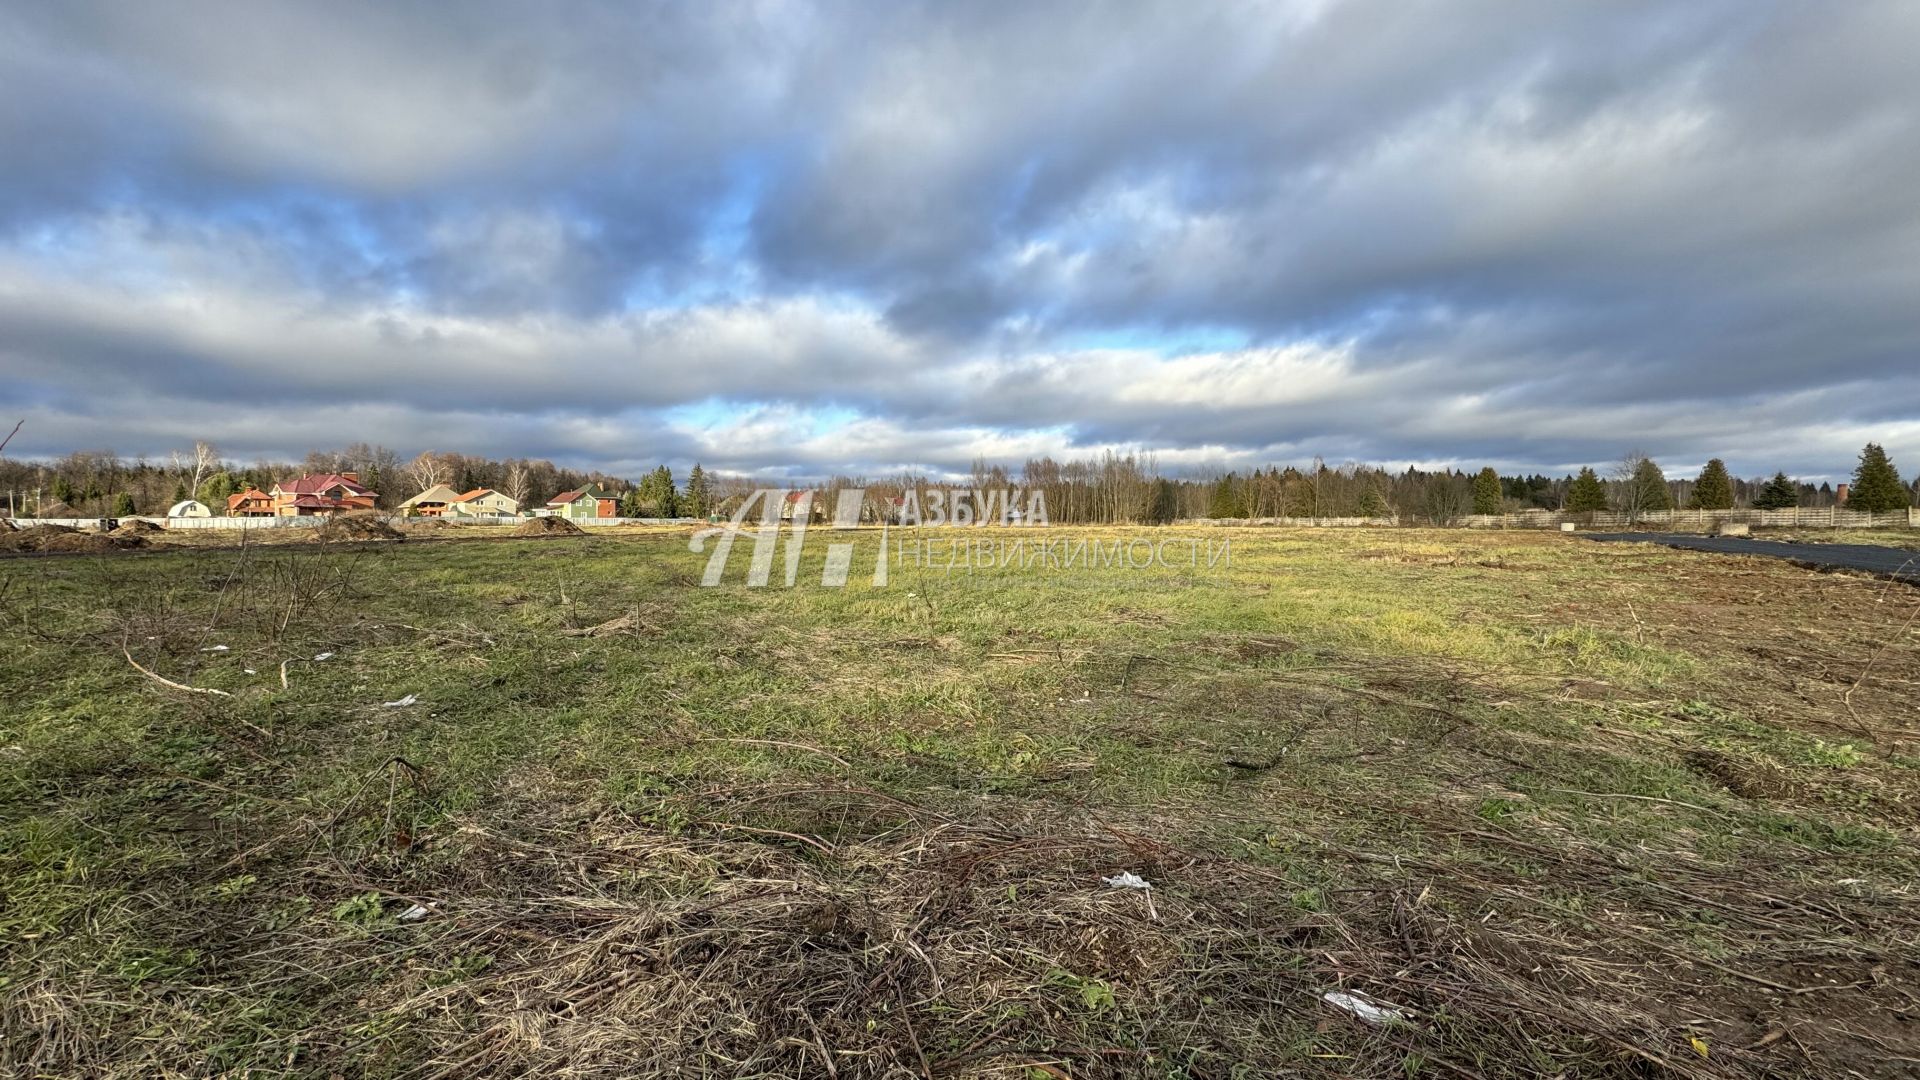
(1840, 495)
(353, 476)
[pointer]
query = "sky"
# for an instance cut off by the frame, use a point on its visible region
(794, 239)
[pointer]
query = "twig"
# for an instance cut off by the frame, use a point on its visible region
(778, 742)
(10, 435)
(1641, 798)
(164, 681)
(1847, 698)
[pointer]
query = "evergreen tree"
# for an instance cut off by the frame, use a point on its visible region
(1587, 494)
(62, 490)
(215, 489)
(1877, 486)
(1373, 504)
(179, 493)
(630, 505)
(1779, 494)
(1163, 503)
(1227, 500)
(697, 500)
(1645, 489)
(654, 497)
(123, 506)
(1714, 489)
(1486, 492)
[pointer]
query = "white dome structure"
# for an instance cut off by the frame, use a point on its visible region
(191, 508)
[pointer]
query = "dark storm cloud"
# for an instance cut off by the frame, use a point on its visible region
(866, 236)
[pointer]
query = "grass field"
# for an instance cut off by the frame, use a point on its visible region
(1572, 809)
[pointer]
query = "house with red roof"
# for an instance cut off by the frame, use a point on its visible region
(321, 494)
(586, 502)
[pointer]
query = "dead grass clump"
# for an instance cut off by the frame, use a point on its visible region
(1746, 777)
(357, 526)
(138, 527)
(548, 526)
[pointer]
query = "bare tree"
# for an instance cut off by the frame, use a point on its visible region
(206, 461)
(427, 470)
(518, 481)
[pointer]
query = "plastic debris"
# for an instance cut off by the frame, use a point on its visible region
(215, 648)
(250, 671)
(323, 656)
(1127, 879)
(414, 913)
(1364, 1007)
(402, 703)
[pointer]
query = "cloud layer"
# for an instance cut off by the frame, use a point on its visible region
(813, 237)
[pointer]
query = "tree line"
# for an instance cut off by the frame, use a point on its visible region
(1110, 489)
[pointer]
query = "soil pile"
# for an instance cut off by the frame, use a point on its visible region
(138, 527)
(59, 538)
(357, 527)
(92, 543)
(548, 526)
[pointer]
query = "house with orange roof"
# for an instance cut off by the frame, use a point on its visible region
(484, 502)
(250, 503)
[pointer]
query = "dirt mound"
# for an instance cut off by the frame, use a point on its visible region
(7, 525)
(69, 541)
(138, 527)
(33, 537)
(357, 527)
(548, 526)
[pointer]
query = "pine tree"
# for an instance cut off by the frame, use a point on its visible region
(1645, 489)
(1373, 504)
(1486, 492)
(1163, 503)
(1877, 486)
(1227, 501)
(666, 499)
(1714, 489)
(179, 493)
(1587, 494)
(123, 506)
(1779, 494)
(62, 490)
(697, 500)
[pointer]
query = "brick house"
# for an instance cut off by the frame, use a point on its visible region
(321, 494)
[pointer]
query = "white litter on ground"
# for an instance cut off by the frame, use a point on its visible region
(1127, 879)
(323, 656)
(1365, 1008)
(414, 913)
(402, 703)
(214, 648)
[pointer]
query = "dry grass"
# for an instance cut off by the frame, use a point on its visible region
(1570, 808)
